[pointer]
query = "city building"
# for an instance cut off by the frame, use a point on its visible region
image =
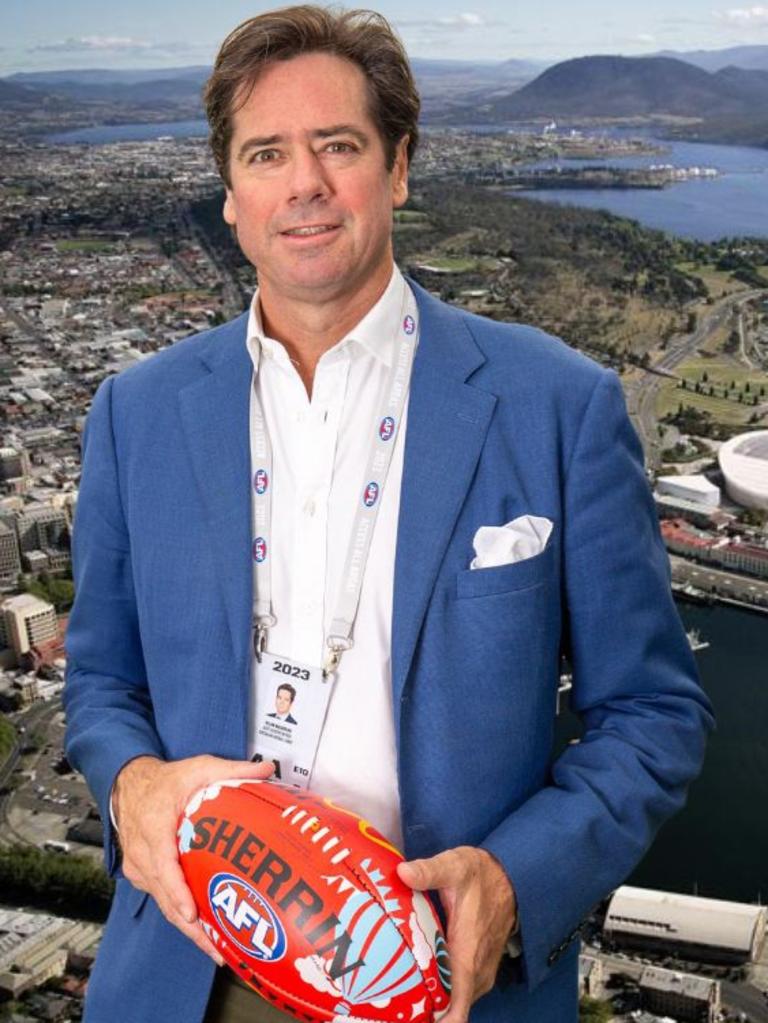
(688, 926)
(591, 977)
(12, 464)
(34, 947)
(744, 464)
(683, 996)
(10, 561)
(735, 555)
(41, 527)
(697, 489)
(26, 624)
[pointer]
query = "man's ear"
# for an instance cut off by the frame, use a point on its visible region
(229, 208)
(399, 174)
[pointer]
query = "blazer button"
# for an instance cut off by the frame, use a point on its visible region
(553, 957)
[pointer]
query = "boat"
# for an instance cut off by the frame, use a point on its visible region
(695, 640)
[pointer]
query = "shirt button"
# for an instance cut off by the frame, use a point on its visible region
(310, 508)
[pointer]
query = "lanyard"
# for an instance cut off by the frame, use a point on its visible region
(384, 429)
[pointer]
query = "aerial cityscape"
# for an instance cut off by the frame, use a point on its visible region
(620, 203)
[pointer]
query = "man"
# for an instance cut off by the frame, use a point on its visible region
(284, 698)
(179, 569)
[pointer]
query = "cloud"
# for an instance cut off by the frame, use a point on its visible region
(467, 20)
(645, 37)
(109, 44)
(87, 44)
(744, 15)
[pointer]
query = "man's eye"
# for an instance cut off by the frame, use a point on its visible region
(340, 147)
(264, 156)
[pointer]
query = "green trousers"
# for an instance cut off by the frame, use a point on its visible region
(232, 1001)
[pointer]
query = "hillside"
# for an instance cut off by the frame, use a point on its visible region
(632, 87)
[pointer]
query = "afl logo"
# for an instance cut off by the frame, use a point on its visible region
(260, 481)
(409, 324)
(386, 428)
(246, 918)
(371, 494)
(259, 549)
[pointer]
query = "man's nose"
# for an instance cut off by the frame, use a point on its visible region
(308, 179)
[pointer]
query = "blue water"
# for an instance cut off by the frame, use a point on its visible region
(104, 133)
(716, 846)
(736, 203)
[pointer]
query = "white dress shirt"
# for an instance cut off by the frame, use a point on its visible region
(320, 448)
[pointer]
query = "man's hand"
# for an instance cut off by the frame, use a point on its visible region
(481, 908)
(148, 797)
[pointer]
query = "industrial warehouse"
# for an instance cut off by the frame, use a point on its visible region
(686, 926)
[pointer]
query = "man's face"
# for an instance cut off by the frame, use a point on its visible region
(310, 196)
(283, 701)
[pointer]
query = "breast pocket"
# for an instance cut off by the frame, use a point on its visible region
(519, 575)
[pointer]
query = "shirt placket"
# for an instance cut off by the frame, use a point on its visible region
(317, 429)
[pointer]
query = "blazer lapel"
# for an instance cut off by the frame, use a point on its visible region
(215, 415)
(447, 424)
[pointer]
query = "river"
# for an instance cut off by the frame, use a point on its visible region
(717, 846)
(734, 203)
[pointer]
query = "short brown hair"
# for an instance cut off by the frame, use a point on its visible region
(361, 36)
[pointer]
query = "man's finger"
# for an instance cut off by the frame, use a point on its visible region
(213, 769)
(445, 870)
(173, 883)
(194, 932)
(462, 992)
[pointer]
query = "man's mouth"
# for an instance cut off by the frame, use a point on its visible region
(304, 232)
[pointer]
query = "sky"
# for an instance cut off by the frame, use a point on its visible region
(37, 35)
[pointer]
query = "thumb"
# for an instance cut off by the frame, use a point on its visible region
(436, 872)
(246, 770)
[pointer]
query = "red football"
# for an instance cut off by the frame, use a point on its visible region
(302, 899)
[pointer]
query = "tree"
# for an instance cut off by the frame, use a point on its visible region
(591, 1010)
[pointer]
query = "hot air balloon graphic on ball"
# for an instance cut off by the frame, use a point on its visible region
(303, 900)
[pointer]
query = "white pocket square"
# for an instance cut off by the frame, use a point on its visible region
(523, 537)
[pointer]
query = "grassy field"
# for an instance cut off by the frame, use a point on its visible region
(410, 217)
(718, 282)
(720, 373)
(84, 245)
(7, 738)
(460, 264)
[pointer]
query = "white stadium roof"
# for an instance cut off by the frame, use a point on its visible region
(685, 919)
(744, 463)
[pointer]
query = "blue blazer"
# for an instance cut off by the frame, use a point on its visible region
(503, 421)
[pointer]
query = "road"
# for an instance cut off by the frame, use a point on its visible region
(642, 395)
(38, 717)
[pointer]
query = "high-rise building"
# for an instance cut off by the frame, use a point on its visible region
(12, 464)
(41, 527)
(10, 561)
(27, 621)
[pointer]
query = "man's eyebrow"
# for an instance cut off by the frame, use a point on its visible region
(342, 129)
(259, 141)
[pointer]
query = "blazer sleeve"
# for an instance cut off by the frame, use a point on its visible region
(635, 689)
(106, 696)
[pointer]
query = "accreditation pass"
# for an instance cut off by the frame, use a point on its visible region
(291, 701)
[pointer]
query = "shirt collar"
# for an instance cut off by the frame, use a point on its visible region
(375, 333)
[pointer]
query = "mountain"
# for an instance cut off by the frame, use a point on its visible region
(438, 81)
(752, 58)
(632, 87)
(753, 85)
(12, 94)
